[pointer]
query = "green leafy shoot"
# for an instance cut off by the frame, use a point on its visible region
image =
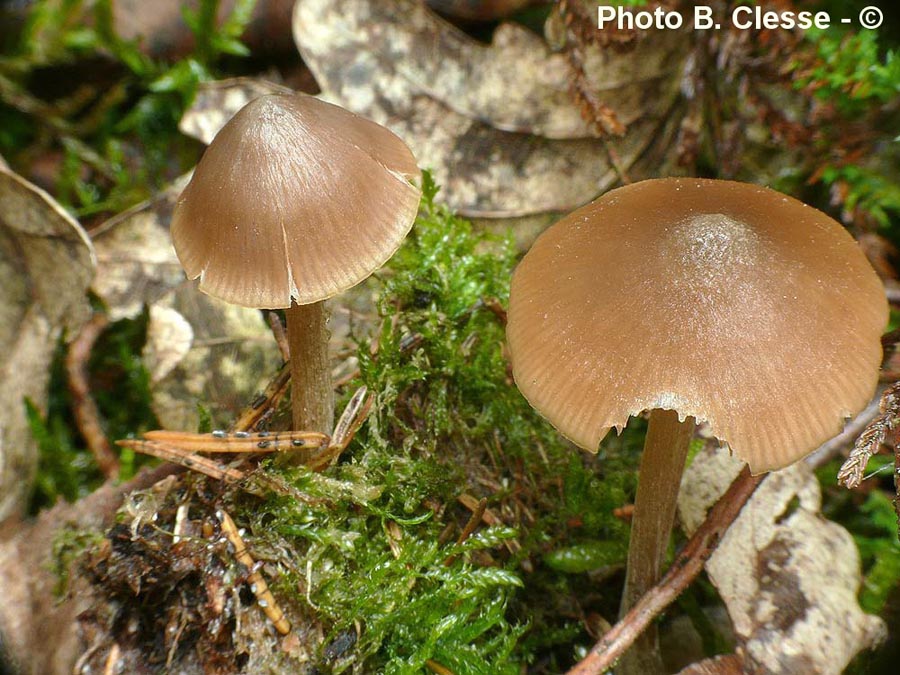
(117, 136)
(850, 70)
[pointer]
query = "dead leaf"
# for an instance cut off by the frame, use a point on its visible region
(46, 264)
(169, 339)
(231, 356)
(137, 264)
(788, 576)
(463, 107)
(217, 102)
(729, 664)
(199, 350)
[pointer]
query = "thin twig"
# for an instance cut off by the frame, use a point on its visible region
(175, 455)
(491, 519)
(264, 406)
(471, 526)
(112, 660)
(684, 569)
(87, 416)
(257, 582)
(280, 335)
(351, 420)
(869, 442)
(241, 441)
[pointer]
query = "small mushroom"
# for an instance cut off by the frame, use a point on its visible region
(697, 300)
(295, 201)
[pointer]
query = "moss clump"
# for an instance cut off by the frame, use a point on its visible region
(377, 534)
(378, 561)
(120, 386)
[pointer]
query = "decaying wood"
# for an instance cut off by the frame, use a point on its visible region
(30, 613)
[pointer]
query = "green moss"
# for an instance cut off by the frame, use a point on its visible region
(872, 521)
(852, 70)
(854, 77)
(373, 540)
(120, 386)
(69, 546)
(117, 135)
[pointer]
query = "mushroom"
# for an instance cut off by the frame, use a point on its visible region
(698, 301)
(294, 201)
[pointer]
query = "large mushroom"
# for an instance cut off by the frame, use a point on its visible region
(295, 201)
(696, 300)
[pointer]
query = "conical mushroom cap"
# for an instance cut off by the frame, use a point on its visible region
(296, 199)
(723, 301)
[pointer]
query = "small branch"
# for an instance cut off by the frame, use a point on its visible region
(175, 455)
(869, 442)
(491, 519)
(112, 660)
(87, 416)
(280, 335)
(471, 526)
(241, 441)
(263, 407)
(351, 420)
(257, 582)
(836, 445)
(684, 569)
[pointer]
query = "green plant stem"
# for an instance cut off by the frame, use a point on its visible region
(312, 393)
(662, 463)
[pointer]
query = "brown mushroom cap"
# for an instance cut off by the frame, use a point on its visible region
(723, 301)
(296, 199)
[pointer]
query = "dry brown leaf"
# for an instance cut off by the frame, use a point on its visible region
(788, 576)
(231, 356)
(199, 350)
(137, 264)
(46, 265)
(217, 102)
(729, 664)
(169, 339)
(514, 84)
(455, 101)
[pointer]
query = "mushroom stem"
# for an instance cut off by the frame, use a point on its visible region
(662, 463)
(312, 394)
